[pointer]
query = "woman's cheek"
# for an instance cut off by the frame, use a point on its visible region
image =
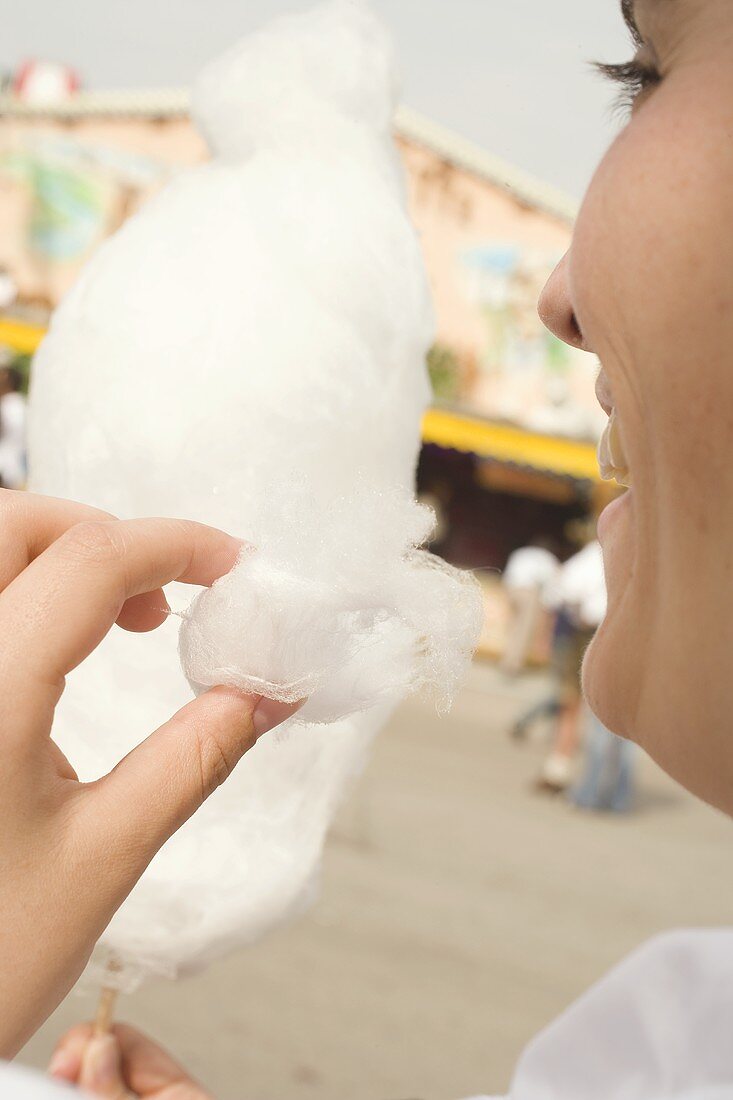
(652, 276)
(611, 281)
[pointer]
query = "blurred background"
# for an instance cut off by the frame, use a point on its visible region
(490, 865)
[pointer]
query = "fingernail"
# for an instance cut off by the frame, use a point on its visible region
(101, 1066)
(272, 712)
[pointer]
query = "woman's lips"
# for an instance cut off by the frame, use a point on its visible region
(609, 515)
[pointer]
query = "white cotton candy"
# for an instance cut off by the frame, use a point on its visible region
(249, 351)
(344, 620)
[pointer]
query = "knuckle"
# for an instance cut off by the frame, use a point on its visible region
(93, 542)
(214, 762)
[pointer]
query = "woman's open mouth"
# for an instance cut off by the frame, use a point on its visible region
(611, 455)
(612, 460)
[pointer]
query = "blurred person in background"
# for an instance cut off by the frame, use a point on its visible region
(12, 428)
(530, 572)
(607, 782)
(647, 285)
(579, 598)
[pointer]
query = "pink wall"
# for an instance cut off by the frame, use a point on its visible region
(65, 185)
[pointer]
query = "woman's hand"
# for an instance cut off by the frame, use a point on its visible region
(124, 1065)
(70, 852)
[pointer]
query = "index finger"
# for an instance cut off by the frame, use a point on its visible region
(29, 523)
(59, 609)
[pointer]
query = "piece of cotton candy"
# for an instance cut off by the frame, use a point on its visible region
(342, 622)
(249, 351)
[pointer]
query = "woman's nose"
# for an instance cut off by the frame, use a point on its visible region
(556, 308)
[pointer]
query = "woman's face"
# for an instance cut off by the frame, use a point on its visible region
(648, 287)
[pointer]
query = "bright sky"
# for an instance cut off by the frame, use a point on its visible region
(512, 75)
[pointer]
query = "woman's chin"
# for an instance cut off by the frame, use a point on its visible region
(614, 661)
(606, 684)
(596, 678)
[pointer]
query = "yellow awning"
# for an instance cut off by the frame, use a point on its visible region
(20, 336)
(563, 457)
(454, 431)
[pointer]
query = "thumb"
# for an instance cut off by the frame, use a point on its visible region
(101, 1069)
(163, 781)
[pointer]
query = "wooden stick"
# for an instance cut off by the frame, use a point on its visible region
(105, 1010)
(107, 1002)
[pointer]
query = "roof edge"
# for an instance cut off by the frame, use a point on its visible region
(462, 152)
(410, 124)
(123, 103)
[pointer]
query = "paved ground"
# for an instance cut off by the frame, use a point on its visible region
(459, 913)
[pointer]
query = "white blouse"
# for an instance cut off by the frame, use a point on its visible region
(658, 1027)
